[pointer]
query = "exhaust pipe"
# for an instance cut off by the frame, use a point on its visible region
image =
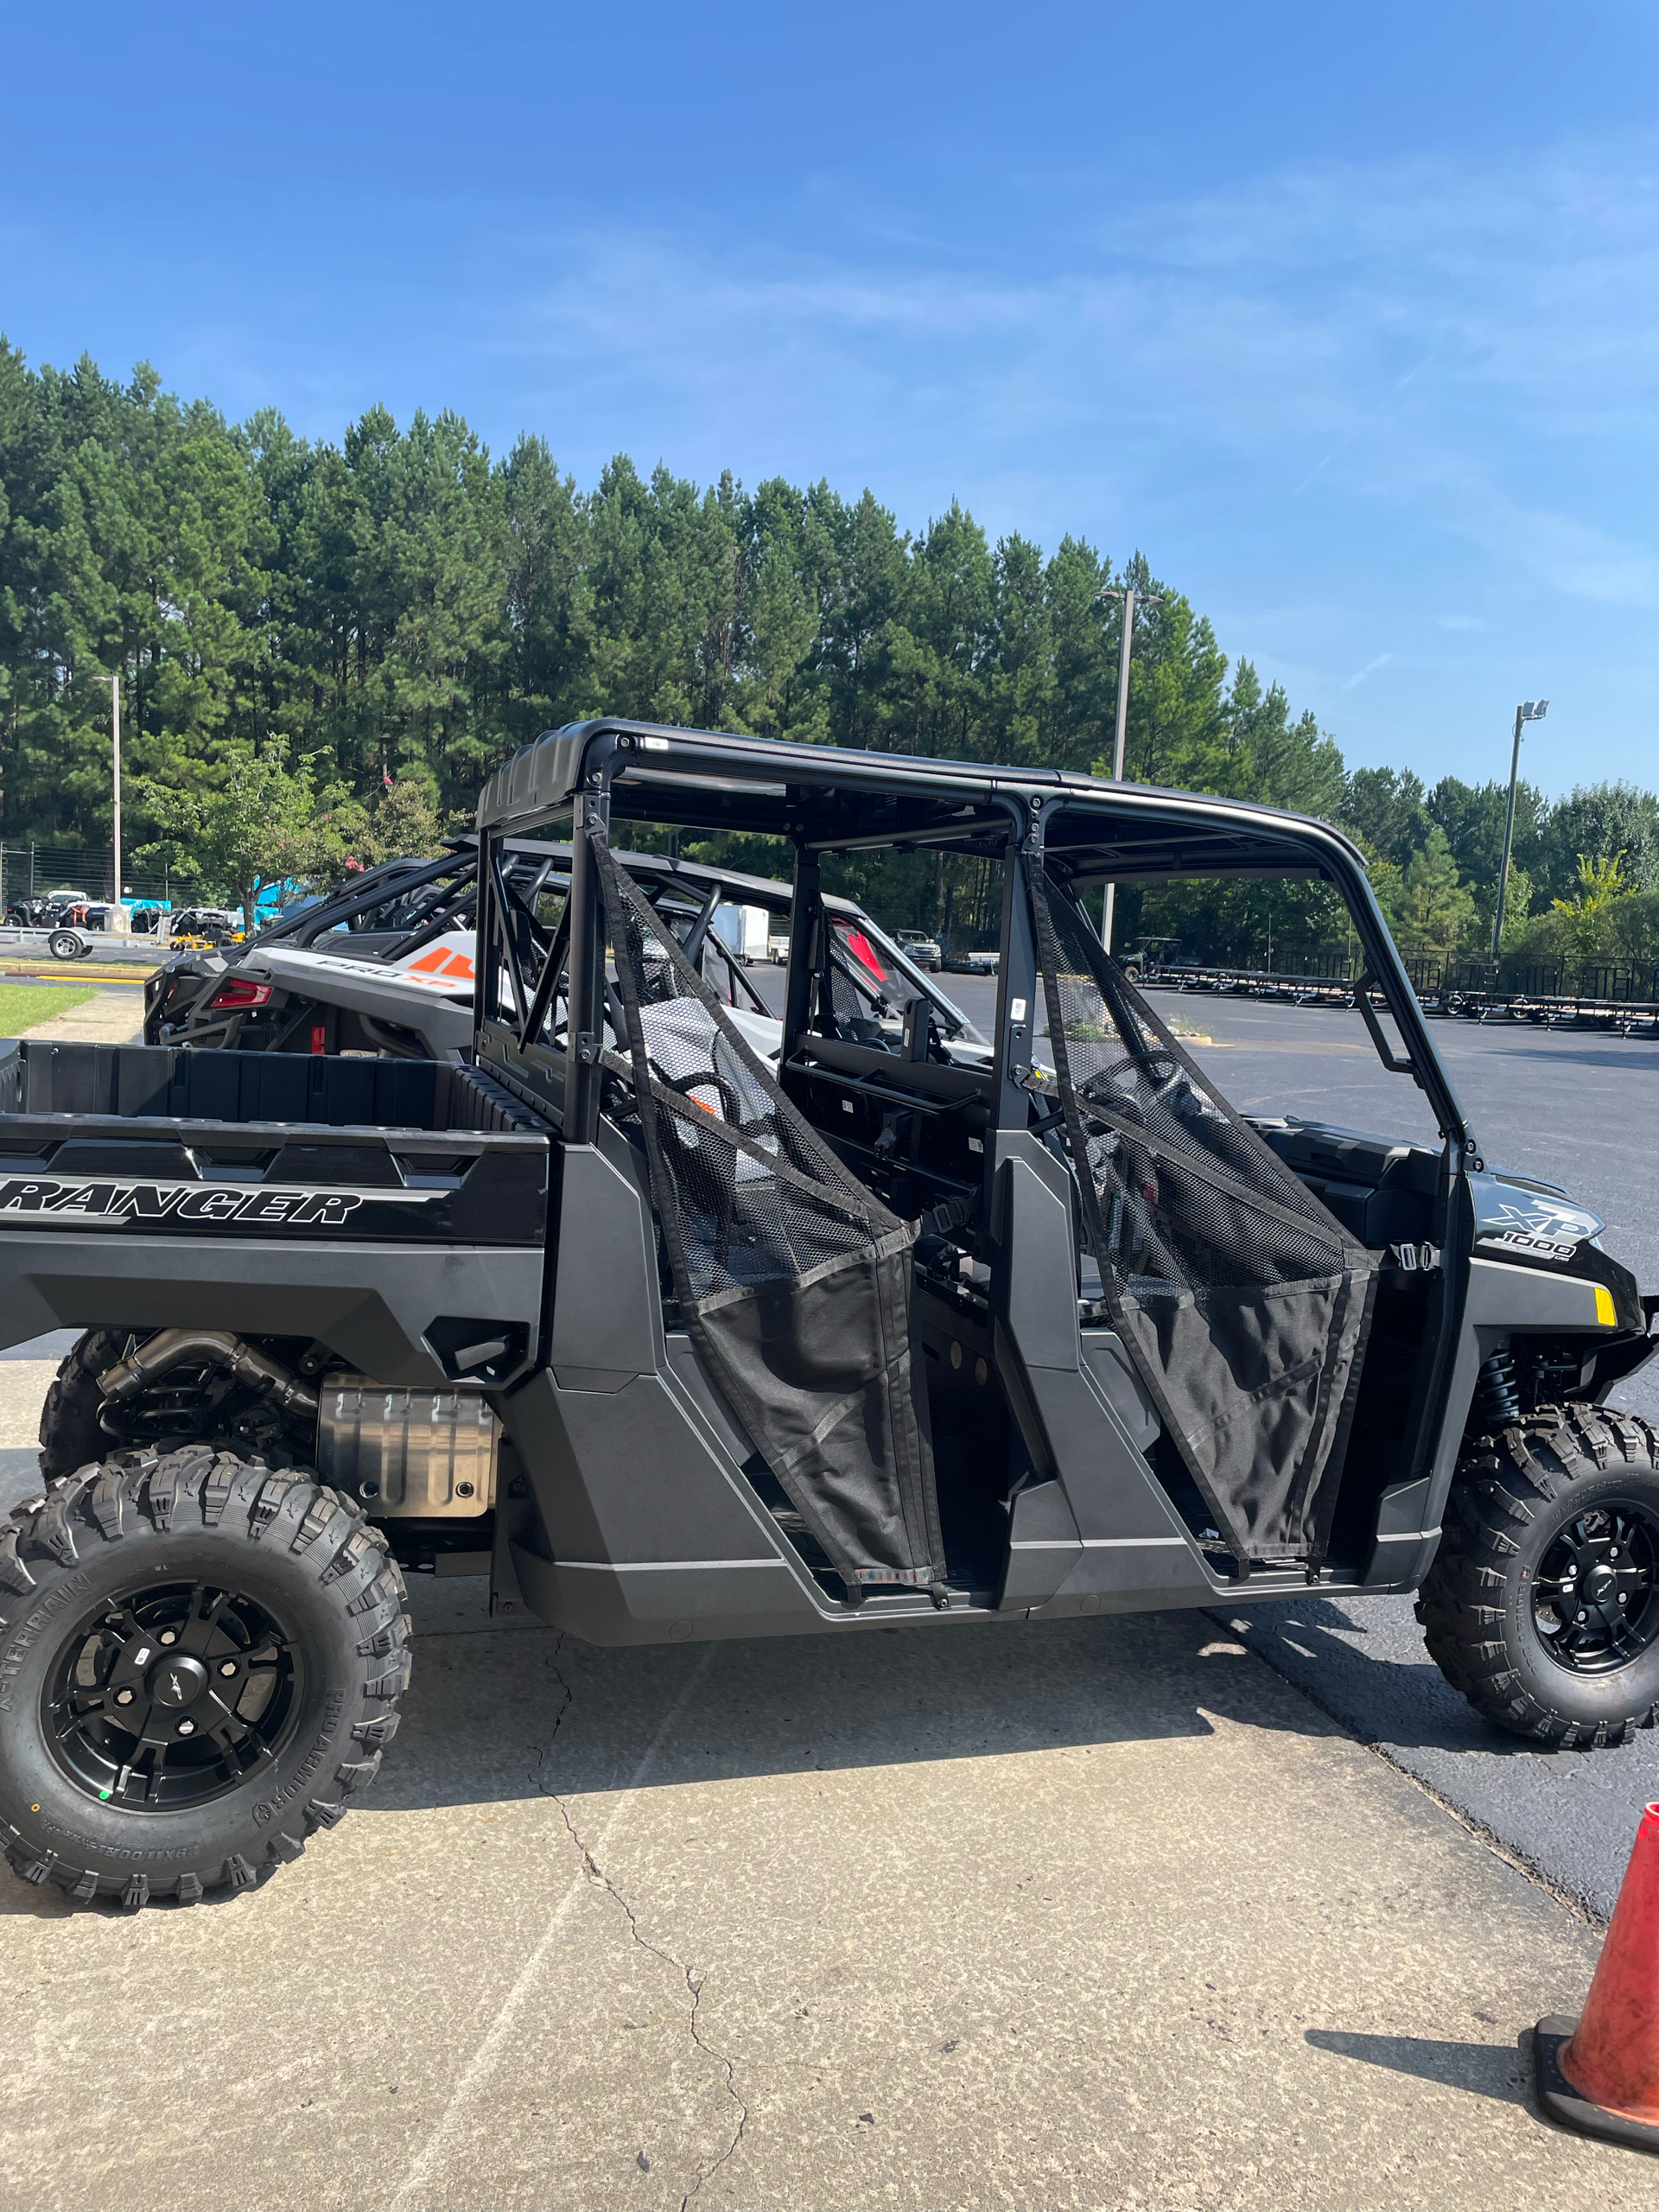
(171, 1347)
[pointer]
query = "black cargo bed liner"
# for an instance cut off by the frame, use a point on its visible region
(175, 1083)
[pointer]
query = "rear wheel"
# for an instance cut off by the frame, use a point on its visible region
(199, 1403)
(200, 1661)
(1542, 1605)
(70, 1431)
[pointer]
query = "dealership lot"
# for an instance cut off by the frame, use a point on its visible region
(1106, 1913)
(1099, 1913)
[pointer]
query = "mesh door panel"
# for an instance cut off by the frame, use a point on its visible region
(793, 1279)
(1241, 1298)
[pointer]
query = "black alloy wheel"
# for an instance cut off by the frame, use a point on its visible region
(169, 1696)
(1542, 1604)
(200, 1661)
(1595, 1598)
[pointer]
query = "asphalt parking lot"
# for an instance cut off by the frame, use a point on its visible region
(1136, 1913)
(1572, 1107)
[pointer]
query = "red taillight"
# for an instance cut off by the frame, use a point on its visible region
(319, 1038)
(238, 993)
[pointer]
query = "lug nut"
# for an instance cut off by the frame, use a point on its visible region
(187, 1727)
(124, 1697)
(227, 1666)
(168, 1636)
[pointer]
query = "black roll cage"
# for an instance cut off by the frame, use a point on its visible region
(826, 800)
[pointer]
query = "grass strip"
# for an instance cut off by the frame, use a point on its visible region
(23, 1006)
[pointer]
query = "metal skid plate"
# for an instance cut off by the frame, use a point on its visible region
(430, 1454)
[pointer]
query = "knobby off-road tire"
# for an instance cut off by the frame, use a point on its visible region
(200, 1661)
(1542, 1604)
(70, 1435)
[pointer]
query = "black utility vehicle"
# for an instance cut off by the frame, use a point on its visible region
(672, 1339)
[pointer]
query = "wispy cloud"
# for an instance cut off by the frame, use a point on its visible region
(1328, 399)
(1353, 683)
(1447, 344)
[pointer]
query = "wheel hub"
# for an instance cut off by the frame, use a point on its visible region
(177, 1681)
(1596, 1595)
(167, 1697)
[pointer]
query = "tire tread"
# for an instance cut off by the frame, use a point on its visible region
(1500, 1488)
(103, 1504)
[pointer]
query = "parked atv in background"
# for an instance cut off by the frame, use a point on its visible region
(386, 965)
(72, 922)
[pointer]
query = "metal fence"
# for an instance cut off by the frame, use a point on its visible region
(1606, 983)
(28, 870)
(1434, 978)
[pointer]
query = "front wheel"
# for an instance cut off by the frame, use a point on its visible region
(200, 1661)
(1542, 1604)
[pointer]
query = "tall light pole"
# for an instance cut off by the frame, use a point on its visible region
(113, 679)
(1130, 598)
(1530, 711)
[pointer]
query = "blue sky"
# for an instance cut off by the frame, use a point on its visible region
(1349, 318)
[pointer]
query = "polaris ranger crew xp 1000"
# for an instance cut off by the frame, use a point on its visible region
(672, 1339)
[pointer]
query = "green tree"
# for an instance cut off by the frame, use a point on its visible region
(260, 821)
(1599, 821)
(1584, 924)
(1429, 910)
(1385, 808)
(400, 608)
(404, 824)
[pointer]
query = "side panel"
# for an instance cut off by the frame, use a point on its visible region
(372, 1303)
(651, 1535)
(605, 1295)
(1131, 1550)
(650, 1538)
(1501, 1301)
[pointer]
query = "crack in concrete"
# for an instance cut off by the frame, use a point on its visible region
(694, 1983)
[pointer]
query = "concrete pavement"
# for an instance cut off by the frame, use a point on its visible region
(1096, 1914)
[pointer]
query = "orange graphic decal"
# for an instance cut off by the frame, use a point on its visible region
(443, 960)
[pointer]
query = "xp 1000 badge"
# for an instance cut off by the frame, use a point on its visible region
(1529, 1225)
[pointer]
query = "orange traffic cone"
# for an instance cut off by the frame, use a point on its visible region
(1600, 2073)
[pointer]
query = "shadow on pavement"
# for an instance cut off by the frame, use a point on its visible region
(498, 1715)
(1497, 2070)
(1388, 1690)
(1570, 1814)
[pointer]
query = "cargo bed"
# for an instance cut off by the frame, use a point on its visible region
(390, 1199)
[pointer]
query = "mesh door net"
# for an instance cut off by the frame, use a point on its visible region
(1241, 1300)
(794, 1281)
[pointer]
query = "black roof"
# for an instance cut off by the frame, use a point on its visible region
(840, 799)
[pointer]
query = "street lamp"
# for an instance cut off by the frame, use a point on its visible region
(1130, 597)
(113, 679)
(1531, 711)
